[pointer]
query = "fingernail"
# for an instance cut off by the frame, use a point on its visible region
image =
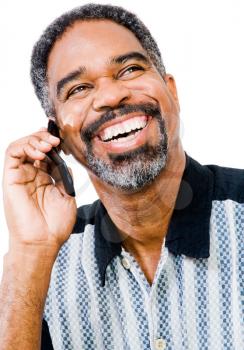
(44, 143)
(53, 138)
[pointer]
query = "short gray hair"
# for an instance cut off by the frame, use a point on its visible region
(44, 45)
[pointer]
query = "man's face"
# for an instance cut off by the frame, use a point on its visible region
(116, 113)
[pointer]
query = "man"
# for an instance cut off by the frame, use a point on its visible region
(157, 262)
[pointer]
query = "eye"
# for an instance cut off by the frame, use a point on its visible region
(80, 89)
(131, 71)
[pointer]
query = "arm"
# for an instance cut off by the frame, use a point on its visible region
(23, 292)
(34, 208)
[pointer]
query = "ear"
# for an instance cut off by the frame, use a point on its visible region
(171, 85)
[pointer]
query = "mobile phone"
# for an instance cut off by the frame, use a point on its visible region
(53, 154)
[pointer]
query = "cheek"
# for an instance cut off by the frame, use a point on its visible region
(154, 89)
(72, 114)
(71, 117)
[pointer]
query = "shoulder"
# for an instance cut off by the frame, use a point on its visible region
(228, 183)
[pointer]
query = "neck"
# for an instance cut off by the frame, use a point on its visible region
(142, 218)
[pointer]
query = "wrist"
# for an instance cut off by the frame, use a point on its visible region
(26, 275)
(28, 266)
(35, 251)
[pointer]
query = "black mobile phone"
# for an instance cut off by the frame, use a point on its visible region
(53, 154)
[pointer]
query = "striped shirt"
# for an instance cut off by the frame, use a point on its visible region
(99, 298)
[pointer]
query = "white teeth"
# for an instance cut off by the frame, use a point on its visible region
(127, 127)
(109, 134)
(123, 127)
(118, 130)
(126, 138)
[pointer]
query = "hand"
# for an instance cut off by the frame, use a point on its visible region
(38, 211)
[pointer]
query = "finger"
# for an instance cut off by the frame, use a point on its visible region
(33, 153)
(18, 152)
(36, 164)
(49, 167)
(42, 165)
(40, 136)
(39, 144)
(45, 136)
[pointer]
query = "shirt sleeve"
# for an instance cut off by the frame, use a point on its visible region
(46, 342)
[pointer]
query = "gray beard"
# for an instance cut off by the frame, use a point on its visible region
(133, 170)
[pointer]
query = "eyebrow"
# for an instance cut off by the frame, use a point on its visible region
(114, 60)
(68, 78)
(134, 55)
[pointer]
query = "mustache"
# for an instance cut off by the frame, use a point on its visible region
(145, 108)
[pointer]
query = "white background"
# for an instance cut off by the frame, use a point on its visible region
(202, 46)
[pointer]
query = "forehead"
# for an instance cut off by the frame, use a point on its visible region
(91, 44)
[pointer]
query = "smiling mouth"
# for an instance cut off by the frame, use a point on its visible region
(124, 131)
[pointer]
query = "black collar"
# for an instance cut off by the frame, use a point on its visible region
(188, 231)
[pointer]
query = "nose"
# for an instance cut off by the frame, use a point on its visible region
(109, 94)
